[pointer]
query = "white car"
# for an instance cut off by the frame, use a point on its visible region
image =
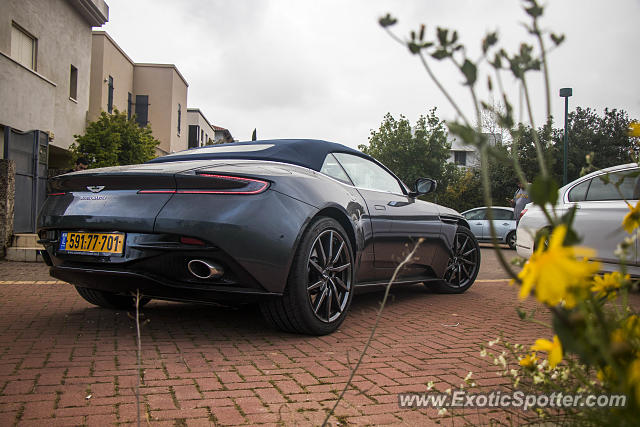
(601, 207)
(503, 222)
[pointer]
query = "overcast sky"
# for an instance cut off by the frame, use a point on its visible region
(325, 69)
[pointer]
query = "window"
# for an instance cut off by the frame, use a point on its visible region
(142, 109)
(179, 117)
(477, 215)
(368, 175)
(599, 190)
(460, 158)
(192, 142)
(201, 135)
(23, 47)
(502, 214)
(332, 168)
(129, 102)
(579, 192)
(110, 96)
(73, 83)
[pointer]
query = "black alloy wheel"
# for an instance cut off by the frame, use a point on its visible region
(320, 285)
(329, 281)
(463, 266)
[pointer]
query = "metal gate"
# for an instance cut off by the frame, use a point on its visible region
(30, 151)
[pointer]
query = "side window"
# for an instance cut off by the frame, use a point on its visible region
(477, 215)
(579, 192)
(368, 175)
(332, 168)
(626, 188)
(502, 214)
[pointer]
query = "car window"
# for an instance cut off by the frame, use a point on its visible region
(478, 214)
(599, 190)
(579, 192)
(502, 214)
(368, 175)
(332, 168)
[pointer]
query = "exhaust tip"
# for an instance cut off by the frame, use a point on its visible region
(204, 269)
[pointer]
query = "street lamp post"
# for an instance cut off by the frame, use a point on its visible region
(565, 92)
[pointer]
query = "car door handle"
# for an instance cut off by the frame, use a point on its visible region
(379, 207)
(505, 223)
(478, 223)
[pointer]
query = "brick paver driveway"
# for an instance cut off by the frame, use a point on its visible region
(65, 362)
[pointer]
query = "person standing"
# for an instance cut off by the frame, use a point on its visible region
(520, 199)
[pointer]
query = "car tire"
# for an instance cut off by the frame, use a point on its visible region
(320, 285)
(463, 266)
(511, 239)
(109, 300)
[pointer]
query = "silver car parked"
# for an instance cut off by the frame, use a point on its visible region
(503, 222)
(601, 207)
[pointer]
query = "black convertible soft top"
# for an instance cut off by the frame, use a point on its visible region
(309, 153)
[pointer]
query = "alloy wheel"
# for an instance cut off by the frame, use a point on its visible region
(464, 262)
(329, 275)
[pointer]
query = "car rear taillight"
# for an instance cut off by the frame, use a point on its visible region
(209, 183)
(522, 213)
(56, 194)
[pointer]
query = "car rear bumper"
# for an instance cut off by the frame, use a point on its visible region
(149, 285)
(525, 241)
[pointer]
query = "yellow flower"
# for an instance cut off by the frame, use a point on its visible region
(632, 326)
(634, 129)
(553, 349)
(617, 336)
(631, 220)
(555, 273)
(633, 378)
(529, 361)
(604, 285)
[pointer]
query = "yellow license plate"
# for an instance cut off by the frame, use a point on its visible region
(92, 243)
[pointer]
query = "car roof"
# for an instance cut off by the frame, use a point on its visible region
(309, 153)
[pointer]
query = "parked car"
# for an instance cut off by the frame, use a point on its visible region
(598, 219)
(504, 224)
(296, 224)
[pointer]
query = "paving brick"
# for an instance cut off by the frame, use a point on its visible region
(228, 416)
(202, 365)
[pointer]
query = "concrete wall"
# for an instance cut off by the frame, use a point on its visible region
(40, 98)
(108, 59)
(179, 91)
(166, 89)
(7, 194)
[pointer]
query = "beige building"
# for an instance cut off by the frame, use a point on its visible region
(155, 93)
(45, 60)
(200, 130)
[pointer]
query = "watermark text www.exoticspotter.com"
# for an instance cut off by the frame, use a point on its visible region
(516, 399)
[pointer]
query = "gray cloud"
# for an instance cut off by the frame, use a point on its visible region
(325, 69)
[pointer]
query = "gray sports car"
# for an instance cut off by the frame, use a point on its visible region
(297, 225)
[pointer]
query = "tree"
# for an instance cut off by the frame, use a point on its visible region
(605, 136)
(410, 153)
(114, 140)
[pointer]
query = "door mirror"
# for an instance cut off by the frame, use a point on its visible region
(424, 186)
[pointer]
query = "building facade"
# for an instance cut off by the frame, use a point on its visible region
(155, 93)
(465, 155)
(200, 130)
(45, 61)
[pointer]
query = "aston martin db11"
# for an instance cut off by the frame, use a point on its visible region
(297, 225)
